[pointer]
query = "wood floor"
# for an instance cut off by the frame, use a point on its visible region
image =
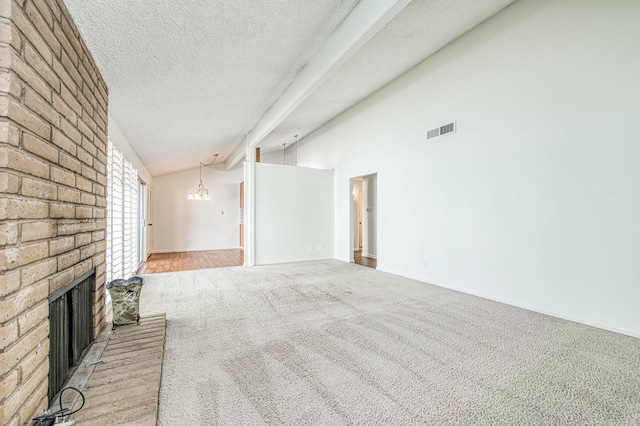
(364, 261)
(191, 260)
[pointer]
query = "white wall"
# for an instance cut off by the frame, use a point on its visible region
(190, 225)
(535, 200)
(293, 214)
(287, 158)
(120, 141)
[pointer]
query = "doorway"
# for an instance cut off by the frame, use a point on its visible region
(364, 206)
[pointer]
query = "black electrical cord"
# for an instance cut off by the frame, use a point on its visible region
(81, 405)
(48, 419)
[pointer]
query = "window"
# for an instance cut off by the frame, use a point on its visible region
(122, 217)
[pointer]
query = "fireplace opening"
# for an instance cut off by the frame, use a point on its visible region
(70, 329)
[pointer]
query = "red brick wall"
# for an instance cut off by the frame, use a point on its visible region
(53, 156)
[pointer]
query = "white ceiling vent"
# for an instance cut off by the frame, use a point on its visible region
(442, 130)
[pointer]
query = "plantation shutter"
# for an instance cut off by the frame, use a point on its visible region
(122, 216)
(130, 220)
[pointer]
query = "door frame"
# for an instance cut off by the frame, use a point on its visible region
(143, 209)
(356, 203)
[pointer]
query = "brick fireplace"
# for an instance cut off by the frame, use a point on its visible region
(53, 157)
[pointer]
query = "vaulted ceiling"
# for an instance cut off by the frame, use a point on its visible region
(189, 78)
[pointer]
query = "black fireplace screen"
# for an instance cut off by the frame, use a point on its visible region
(70, 329)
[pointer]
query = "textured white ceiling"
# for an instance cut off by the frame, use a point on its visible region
(190, 78)
(419, 31)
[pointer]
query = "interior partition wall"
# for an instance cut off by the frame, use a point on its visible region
(293, 214)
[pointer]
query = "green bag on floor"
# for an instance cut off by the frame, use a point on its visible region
(125, 300)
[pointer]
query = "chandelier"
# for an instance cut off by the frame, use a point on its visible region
(201, 192)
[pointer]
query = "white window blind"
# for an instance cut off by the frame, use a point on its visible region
(122, 217)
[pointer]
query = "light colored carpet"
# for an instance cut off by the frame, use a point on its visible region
(330, 343)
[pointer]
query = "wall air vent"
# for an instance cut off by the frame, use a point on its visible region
(442, 130)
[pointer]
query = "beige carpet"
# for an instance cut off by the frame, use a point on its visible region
(329, 343)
